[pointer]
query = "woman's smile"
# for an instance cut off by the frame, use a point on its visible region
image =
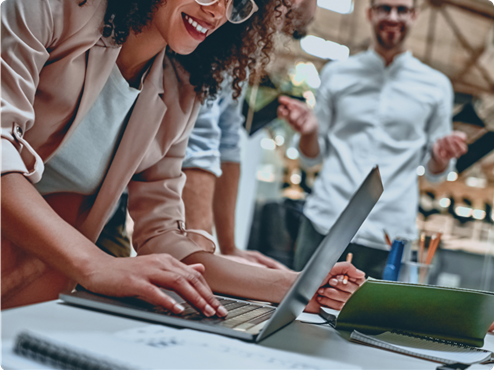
(197, 28)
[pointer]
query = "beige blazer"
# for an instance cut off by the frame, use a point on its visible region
(54, 64)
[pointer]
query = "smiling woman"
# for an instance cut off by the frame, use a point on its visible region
(99, 96)
(237, 47)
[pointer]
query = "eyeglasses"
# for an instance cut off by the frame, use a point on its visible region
(384, 11)
(237, 11)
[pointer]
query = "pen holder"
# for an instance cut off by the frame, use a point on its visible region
(393, 265)
(415, 273)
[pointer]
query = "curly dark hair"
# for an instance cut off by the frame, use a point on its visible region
(236, 50)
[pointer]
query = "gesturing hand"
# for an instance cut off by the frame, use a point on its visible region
(298, 115)
(448, 147)
(142, 276)
(333, 292)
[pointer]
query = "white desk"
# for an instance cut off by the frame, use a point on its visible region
(313, 340)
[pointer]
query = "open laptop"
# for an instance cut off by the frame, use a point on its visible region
(248, 320)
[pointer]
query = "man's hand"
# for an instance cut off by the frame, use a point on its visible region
(298, 115)
(492, 327)
(334, 292)
(143, 276)
(447, 148)
(256, 258)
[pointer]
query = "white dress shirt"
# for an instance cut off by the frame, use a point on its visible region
(371, 114)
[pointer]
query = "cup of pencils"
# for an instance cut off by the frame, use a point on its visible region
(419, 268)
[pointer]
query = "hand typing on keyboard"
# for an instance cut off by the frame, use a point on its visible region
(334, 292)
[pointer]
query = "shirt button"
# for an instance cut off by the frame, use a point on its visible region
(181, 225)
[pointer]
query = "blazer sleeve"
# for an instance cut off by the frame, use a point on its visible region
(156, 206)
(30, 31)
(26, 32)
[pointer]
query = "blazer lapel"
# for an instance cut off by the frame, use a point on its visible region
(100, 61)
(141, 129)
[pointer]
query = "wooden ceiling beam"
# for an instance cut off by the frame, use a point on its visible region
(482, 9)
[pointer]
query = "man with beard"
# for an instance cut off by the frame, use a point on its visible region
(383, 107)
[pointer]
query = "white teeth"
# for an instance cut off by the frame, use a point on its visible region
(196, 25)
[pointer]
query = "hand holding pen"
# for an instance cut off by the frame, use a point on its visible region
(333, 293)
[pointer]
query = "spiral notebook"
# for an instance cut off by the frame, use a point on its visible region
(426, 348)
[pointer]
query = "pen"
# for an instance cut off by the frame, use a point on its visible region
(349, 257)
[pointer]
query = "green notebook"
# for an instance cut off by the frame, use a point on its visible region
(453, 315)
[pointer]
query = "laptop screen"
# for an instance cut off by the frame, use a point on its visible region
(327, 254)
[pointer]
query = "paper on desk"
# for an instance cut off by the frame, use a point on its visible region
(221, 352)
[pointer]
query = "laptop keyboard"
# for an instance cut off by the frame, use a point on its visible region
(241, 315)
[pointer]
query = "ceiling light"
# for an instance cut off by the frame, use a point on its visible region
(338, 6)
(324, 49)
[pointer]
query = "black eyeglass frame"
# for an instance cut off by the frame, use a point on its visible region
(402, 11)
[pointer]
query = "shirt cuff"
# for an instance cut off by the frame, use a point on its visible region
(438, 177)
(230, 155)
(11, 159)
(208, 163)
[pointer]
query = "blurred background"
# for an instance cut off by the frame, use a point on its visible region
(455, 37)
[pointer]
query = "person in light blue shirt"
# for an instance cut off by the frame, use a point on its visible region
(383, 107)
(212, 167)
(212, 161)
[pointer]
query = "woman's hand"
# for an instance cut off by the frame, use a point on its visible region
(143, 276)
(334, 290)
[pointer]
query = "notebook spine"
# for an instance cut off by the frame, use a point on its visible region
(58, 356)
(376, 343)
(433, 339)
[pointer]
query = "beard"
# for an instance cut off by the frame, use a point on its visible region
(396, 39)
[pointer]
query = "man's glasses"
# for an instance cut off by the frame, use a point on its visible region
(384, 11)
(237, 11)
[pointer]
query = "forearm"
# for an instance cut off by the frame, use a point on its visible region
(32, 225)
(224, 204)
(309, 145)
(198, 199)
(241, 280)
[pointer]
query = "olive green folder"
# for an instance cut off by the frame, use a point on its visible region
(454, 315)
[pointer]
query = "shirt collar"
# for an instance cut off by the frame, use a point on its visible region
(373, 57)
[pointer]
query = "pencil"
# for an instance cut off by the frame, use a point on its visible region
(349, 257)
(422, 246)
(433, 248)
(388, 240)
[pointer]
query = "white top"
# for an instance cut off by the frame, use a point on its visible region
(81, 163)
(370, 114)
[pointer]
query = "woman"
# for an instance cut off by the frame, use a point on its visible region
(97, 92)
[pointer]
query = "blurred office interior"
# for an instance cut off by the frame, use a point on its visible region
(455, 37)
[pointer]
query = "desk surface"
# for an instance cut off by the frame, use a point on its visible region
(308, 339)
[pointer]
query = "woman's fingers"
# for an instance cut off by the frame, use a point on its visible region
(152, 294)
(145, 275)
(189, 283)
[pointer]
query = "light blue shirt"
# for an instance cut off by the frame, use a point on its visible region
(370, 114)
(215, 137)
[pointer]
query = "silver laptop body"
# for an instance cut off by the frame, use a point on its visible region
(247, 320)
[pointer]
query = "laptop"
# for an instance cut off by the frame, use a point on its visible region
(251, 321)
